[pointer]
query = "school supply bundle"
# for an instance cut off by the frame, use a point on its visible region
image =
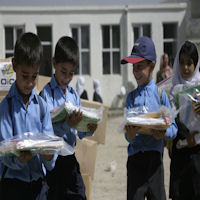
(166, 85)
(141, 117)
(187, 100)
(90, 115)
(36, 143)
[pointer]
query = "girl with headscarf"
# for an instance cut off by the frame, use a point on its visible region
(185, 162)
(80, 88)
(97, 91)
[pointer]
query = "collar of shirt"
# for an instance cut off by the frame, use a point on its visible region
(13, 92)
(147, 87)
(54, 84)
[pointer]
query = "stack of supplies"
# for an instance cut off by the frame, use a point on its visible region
(90, 115)
(141, 117)
(36, 143)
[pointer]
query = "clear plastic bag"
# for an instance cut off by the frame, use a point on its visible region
(141, 117)
(90, 115)
(188, 104)
(36, 143)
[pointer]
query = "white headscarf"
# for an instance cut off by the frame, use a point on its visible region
(177, 78)
(80, 85)
(97, 86)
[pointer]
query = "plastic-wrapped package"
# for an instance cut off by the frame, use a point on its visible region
(141, 117)
(90, 115)
(188, 103)
(36, 143)
(166, 85)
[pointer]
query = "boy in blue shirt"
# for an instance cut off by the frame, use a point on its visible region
(65, 180)
(22, 110)
(145, 172)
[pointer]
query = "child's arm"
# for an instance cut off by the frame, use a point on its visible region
(171, 132)
(48, 160)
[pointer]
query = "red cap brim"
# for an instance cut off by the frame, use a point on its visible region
(132, 60)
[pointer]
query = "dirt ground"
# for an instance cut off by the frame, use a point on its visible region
(111, 184)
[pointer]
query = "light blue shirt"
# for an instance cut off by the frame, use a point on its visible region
(54, 96)
(148, 96)
(35, 119)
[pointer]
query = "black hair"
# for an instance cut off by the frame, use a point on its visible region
(190, 50)
(28, 50)
(66, 51)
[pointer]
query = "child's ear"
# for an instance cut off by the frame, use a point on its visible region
(54, 62)
(153, 64)
(14, 64)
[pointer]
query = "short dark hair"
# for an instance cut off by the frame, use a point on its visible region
(190, 50)
(28, 49)
(66, 51)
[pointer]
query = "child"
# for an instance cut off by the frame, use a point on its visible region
(80, 88)
(97, 91)
(145, 166)
(22, 110)
(65, 179)
(185, 162)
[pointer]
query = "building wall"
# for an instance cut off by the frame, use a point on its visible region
(61, 20)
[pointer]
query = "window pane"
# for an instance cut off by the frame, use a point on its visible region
(170, 30)
(170, 49)
(44, 33)
(106, 36)
(85, 37)
(46, 66)
(115, 36)
(116, 63)
(136, 33)
(146, 30)
(19, 32)
(85, 63)
(9, 38)
(75, 34)
(8, 55)
(106, 63)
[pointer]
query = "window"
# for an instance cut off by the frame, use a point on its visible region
(111, 49)
(12, 33)
(45, 35)
(141, 30)
(81, 35)
(170, 40)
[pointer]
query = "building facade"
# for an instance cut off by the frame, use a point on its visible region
(104, 34)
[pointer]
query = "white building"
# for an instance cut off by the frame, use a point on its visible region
(105, 31)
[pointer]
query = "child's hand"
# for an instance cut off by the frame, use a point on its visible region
(74, 118)
(25, 156)
(92, 127)
(131, 130)
(191, 140)
(47, 157)
(159, 134)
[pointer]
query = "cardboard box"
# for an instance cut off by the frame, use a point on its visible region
(41, 82)
(88, 185)
(86, 152)
(100, 134)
